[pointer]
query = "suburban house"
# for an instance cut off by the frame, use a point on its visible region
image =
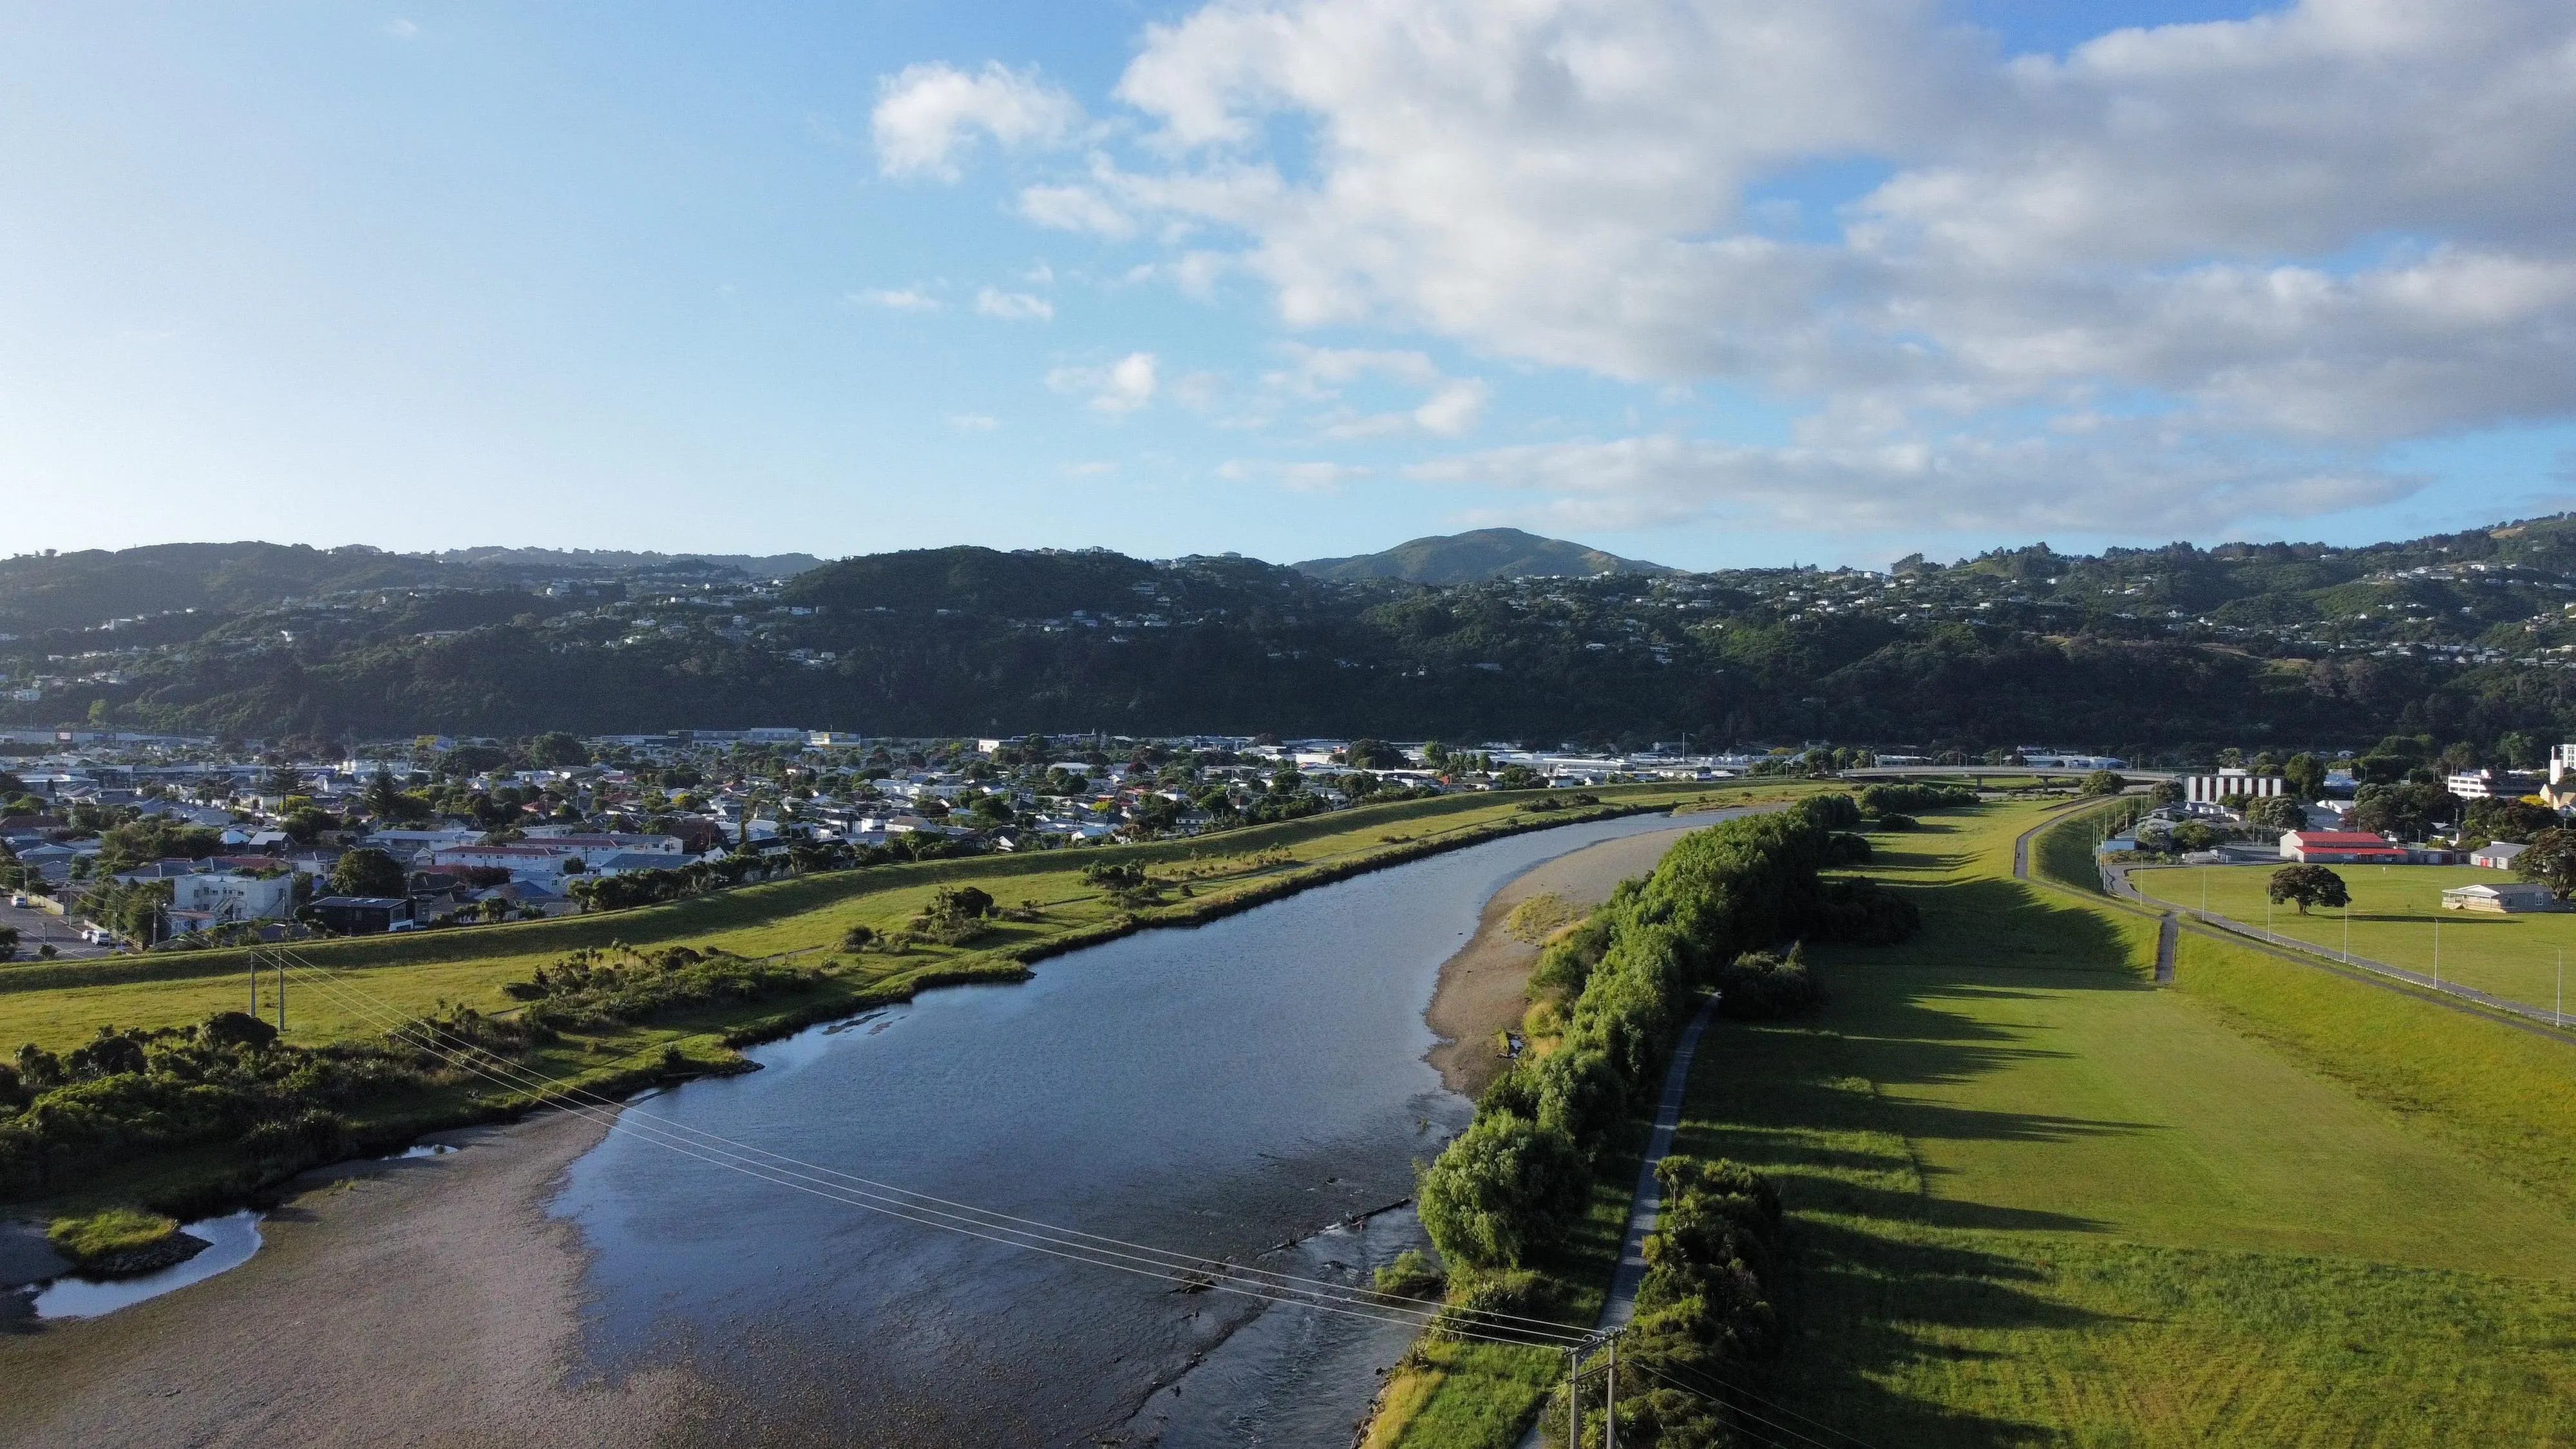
(523, 862)
(2498, 856)
(2508, 899)
(361, 915)
(224, 896)
(2341, 847)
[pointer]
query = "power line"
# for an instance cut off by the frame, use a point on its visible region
(893, 1201)
(1195, 1262)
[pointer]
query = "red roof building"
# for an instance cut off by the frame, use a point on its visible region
(2340, 847)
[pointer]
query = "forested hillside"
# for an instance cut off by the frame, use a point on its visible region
(2145, 652)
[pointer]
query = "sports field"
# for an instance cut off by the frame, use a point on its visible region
(2040, 1200)
(2394, 915)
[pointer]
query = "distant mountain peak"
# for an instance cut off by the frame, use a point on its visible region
(1474, 557)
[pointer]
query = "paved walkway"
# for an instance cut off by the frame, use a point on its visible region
(1648, 1204)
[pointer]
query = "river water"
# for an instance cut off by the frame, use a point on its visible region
(1219, 1090)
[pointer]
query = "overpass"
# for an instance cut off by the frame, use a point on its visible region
(2041, 772)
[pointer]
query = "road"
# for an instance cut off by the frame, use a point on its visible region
(40, 928)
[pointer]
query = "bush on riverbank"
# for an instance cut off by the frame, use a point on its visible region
(595, 987)
(1496, 1198)
(123, 1095)
(1704, 1311)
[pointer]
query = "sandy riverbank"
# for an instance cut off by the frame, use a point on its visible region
(420, 1302)
(1480, 990)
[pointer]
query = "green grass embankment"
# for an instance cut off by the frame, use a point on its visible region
(2036, 1199)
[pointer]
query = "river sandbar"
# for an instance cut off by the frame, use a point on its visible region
(420, 1301)
(1481, 990)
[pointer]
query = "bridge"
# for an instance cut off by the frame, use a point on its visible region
(1979, 772)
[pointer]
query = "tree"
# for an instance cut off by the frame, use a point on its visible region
(2104, 782)
(1368, 754)
(2169, 793)
(2308, 885)
(1502, 1191)
(2306, 775)
(2512, 820)
(557, 749)
(2551, 861)
(2193, 835)
(368, 872)
(2279, 812)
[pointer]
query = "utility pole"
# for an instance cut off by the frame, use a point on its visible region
(1610, 1399)
(281, 991)
(2437, 950)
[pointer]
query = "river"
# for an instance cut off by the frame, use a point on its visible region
(1217, 1090)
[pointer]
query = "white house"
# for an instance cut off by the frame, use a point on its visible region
(2498, 856)
(229, 897)
(2508, 899)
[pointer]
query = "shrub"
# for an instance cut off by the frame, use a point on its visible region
(857, 938)
(1758, 986)
(1516, 1293)
(1411, 1275)
(1880, 799)
(1503, 1191)
(1846, 849)
(1894, 821)
(1833, 812)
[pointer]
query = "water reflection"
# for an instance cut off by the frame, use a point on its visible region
(1222, 1091)
(234, 1238)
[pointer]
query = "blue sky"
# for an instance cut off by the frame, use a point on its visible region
(1170, 279)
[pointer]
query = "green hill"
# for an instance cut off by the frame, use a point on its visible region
(1479, 557)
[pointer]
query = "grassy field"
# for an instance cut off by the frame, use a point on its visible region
(2038, 1200)
(2392, 918)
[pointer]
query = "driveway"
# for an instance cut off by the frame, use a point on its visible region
(38, 928)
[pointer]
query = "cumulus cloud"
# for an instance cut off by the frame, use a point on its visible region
(1014, 306)
(897, 299)
(2291, 239)
(973, 422)
(927, 112)
(1451, 408)
(1123, 386)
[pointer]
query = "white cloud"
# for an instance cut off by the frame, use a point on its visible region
(1089, 470)
(1122, 387)
(2292, 238)
(1014, 306)
(1317, 477)
(896, 299)
(1452, 407)
(2119, 477)
(402, 29)
(973, 422)
(928, 111)
(1075, 208)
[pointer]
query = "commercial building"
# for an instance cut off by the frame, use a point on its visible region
(2210, 789)
(2341, 847)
